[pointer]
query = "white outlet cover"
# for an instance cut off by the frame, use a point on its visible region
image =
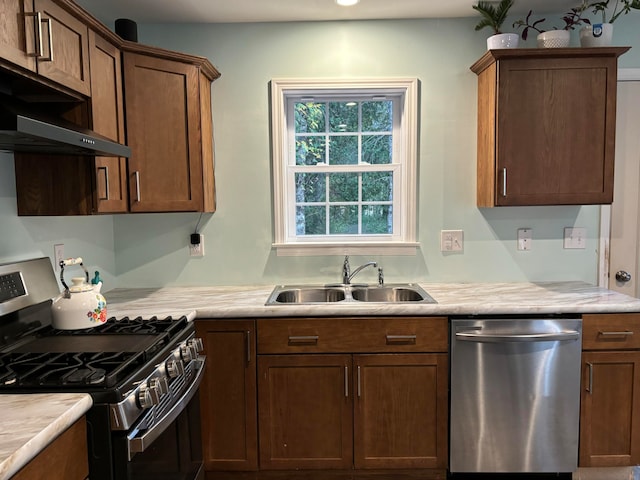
(451, 240)
(575, 238)
(525, 238)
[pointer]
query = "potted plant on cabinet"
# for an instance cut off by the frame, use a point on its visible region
(493, 17)
(556, 37)
(601, 34)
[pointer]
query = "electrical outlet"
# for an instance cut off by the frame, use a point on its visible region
(575, 237)
(524, 238)
(197, 250)
(58, 255)
(451, 240)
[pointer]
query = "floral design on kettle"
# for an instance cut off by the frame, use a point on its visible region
(98, 314)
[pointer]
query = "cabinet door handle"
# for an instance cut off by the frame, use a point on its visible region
(39, 45)
(627, 333)
(303, 339)
(248, 347)
(346, 381)
(590, 385)
(106, 182)
(401, 339)
(49, 24)
(137, 176)
(359, 387)
(504, 182)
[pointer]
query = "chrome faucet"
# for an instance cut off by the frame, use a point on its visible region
(347, 275)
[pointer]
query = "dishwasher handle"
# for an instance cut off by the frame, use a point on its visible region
(475, 336)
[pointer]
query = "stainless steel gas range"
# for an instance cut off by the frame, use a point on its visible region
(142, 374)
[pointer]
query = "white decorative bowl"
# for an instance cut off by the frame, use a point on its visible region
(554, 39)
(503, 40)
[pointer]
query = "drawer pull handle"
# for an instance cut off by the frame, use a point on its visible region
(404, 339)
(625, 333)
(346, 381)
(303, 339)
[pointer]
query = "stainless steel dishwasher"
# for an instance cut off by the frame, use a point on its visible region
(515, 395)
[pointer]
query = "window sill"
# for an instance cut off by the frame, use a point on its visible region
(369, 248)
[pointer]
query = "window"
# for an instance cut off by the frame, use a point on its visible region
(344, 166)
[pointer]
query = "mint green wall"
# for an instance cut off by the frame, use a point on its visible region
(151, 250)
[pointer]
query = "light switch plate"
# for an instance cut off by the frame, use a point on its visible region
(575, 237)
(451, 240)
(525, 236)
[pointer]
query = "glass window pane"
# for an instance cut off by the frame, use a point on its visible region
(377, 219)
(377, 149)
(343, 187)
(310, 187)
(343, 116)
(377, 187)
(310, 117)
(377, 116)
(343, 219)
(310, 150)
(343, 150)
(311, 220)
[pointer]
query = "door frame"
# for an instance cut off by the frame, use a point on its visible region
(604, 242)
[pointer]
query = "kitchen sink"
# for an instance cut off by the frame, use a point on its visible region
(334, 294)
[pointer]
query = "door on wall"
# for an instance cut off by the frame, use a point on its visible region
(625, 210)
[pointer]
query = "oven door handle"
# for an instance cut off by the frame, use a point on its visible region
(139, 444)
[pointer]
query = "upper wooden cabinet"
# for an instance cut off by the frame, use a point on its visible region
(169, 130)
(546, 126)
(42, 37)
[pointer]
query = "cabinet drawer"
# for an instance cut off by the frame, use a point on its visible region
(611, 331)
(352, 335)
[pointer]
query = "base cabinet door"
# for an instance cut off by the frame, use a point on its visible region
(228, 395)
(400, 411)
(305, 412)
(610, 409)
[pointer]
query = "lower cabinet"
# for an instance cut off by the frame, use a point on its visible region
(353, 393)
(66, 458)
(610, 398)
(228, 395)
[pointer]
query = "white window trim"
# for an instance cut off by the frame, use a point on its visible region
(280, 89)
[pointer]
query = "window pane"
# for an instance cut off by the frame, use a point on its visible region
(343, 150)
(311, 220)
(343, 116)
(343, 219)
(310, 117)
(310, 150)
(377, 149)
(377, 116)
(377, 219)
(377, 187)
(343, 187)
(310, 187)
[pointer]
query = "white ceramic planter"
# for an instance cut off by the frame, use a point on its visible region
(554, 39)
(596, 35)
(503, 40)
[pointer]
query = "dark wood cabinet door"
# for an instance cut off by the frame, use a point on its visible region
(65, 58)
(556, 131)
(610, 402)
(163, 132)
(17, 34)
(107, 112)
(228, 395)
(400, 413)
(305, 412)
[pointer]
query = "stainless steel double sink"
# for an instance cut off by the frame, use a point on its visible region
(339, 293)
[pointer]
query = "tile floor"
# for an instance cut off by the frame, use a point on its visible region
(621, 473)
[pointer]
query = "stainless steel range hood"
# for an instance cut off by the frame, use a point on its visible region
(24, 130)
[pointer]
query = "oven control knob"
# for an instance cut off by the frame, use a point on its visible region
(186, 353)
(197, 344)
(148, 396)
(160, 383)
(174, 368)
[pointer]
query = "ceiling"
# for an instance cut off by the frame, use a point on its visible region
(231, 11)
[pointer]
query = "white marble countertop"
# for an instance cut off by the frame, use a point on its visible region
(30, 422)
(451, 298)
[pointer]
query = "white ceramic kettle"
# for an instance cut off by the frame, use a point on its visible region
(81, 305)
